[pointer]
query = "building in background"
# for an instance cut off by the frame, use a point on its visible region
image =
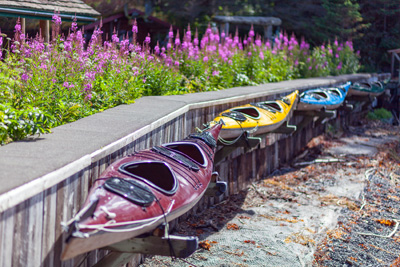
(43, 11)
(122, 23)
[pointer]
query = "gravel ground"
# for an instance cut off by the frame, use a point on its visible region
(337, 204)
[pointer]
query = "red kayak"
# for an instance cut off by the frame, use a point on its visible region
(139, 192)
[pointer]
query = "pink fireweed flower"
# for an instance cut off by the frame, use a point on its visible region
(230, 62)
(251, 32)
(147, 39)
(115, 38)
(176, 63)
(88, 87)
(336, 42)
(339, 67)
(171, 33)
(216, 37)
(296, 62)
(56, 19)
(205, 59)
(185, 45)
(177, 41)
(310, 67)
(330, 51)
(88, 97)
(66, 84)
(336, 55)
(91, 75)
(24, 77)
(135, 28)
(215, 73)
(144, 80)
(261, 55)
(350, 45)
(258, 42)
(17, 27)
(74, 26)
(249, 54)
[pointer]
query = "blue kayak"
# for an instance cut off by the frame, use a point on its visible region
(329, 98)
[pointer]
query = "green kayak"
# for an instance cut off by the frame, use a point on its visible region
(366, 89)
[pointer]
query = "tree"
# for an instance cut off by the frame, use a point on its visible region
(341, 19)
(383, 33)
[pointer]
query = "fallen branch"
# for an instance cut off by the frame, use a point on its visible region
(368, 173)
(384, 236)
(318, 161)
(364, 203)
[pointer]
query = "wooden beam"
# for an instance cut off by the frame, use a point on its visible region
(227, 28)
(23, 23)
(285, 129)
(180, 246)
(45, 30)
(394, 50)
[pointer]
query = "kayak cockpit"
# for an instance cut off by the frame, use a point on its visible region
(190, 150)
(320, 95)
(157, 174)
(335, 92)
(248, 111)
(273, 106)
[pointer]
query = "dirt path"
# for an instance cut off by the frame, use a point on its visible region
(337, 204)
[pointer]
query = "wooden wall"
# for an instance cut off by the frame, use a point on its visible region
(31, 232)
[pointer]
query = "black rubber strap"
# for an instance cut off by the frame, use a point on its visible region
(206, 137)
(177, 157)
(135, 192)
(237, 116)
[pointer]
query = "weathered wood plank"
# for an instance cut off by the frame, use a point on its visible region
(49, 225)
(7, 237)
(20, 244)
(35, 228)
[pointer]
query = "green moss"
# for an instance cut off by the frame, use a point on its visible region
(379, 114)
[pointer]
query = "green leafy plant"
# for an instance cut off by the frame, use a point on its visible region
(379, 114)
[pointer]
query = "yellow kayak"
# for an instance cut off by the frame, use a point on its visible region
(257, 118)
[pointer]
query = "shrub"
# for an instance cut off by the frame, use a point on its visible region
(379, 114)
